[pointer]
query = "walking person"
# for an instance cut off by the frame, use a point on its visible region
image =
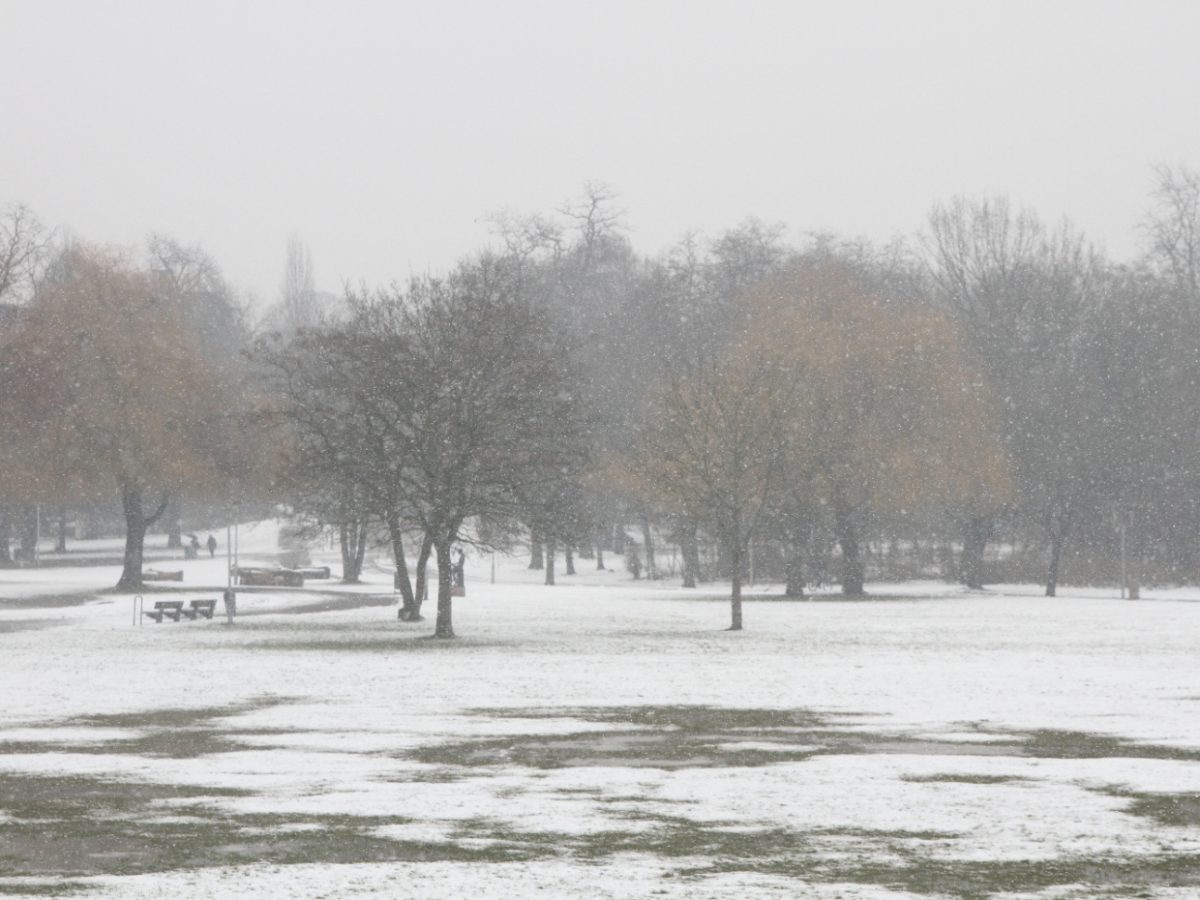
(459, 566)
(211, 544)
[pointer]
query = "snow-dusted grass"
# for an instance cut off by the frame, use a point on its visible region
(602, 738)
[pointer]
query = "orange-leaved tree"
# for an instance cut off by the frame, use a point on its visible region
(104, 382)
(883, 412)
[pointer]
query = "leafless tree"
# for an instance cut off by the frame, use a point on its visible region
(1173, 227)
(24, 244)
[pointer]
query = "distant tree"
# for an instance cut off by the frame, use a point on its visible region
(83, 384)
(494, 400)
(300, 304)
(1173, 227)
(884, 414)
(1023, 296)
(444, 400)
(708, 450)
(24, 249)
(189, 278)
(341, 399)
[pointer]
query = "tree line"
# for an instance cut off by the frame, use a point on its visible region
(994, 393)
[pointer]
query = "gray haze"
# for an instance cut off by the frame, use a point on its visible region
(383, 133)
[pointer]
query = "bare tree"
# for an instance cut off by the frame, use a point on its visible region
(298, 305)
(1173, 227)
(24, 244)
(1024, 295)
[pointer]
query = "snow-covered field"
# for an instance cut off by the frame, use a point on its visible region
(601, 738)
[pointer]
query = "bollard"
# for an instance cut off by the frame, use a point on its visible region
(230, 599)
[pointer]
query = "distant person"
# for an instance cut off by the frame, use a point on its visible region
(193, 548)
(459, 566)
(211, 543)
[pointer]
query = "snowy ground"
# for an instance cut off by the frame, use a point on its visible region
(603, 738)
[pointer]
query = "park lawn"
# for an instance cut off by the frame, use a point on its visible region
(601, 738)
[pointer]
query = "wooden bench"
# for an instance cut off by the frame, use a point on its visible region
(164, 608)
(198, 608)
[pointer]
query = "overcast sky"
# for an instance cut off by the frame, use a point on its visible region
(383, 133)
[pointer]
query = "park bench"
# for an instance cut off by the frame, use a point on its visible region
(155, 575)
(199, 608)
(164, 608)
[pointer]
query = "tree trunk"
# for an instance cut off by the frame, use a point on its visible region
(648, 543)
(976, 533)
(136, 523)
(847, 537)
(348, 540)
(1056, 544)
(690, 551)
(535, 550)
(423, 570)
(6, 559)
(445, 626)
(60, 542)
(29, 533)
(360, 551)
(550, 550)
(410, 611)
(174, 516)
(735, 594)
(599, 558)
(793, 571)
(569, 559)
(1059, 527)
(618, 541)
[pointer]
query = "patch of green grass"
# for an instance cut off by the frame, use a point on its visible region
(689, 717)
(674, 737)
(1053, 744)
(72, 827)
(47, 601)
(174, 732)
(42, 889)
(175, 717)
(1180, 810)
(962, 779)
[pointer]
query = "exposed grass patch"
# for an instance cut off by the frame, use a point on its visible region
(667, 737)
(73, 827)
(175, 717)
(673, 737)
(13, 887)
(962, 779)
(1181, 810)
(176, 732)
(406, 641)
(971, 879)
(1052, 744)
(79, 826)
(47, 601)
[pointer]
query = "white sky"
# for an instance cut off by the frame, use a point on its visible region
(383, 132)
